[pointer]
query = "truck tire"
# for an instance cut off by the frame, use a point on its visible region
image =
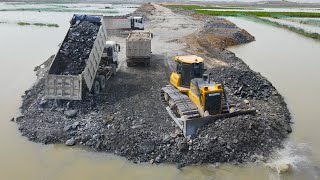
(102, 82)
(129, 64)
(96, 87)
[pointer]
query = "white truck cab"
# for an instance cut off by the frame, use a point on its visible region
(110, 52)
(137, 23)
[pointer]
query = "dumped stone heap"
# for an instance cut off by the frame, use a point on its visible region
(75, 50)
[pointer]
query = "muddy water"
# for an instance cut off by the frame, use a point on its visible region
(24, 47)
(291, 62)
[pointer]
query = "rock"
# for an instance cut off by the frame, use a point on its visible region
(75, 125)
(158, 159)
(178, 132)
(283, 168)
(166, 138)
(67, 127)
(43, 102)
(179, 165)
(182, 145)
(146, 147)
(136, 126)
(71, 113)
(151, 161)
(70, 142)
(246, 101)
(12, 119)
(288, 128)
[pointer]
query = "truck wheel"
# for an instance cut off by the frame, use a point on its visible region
(96, 87)
(129, 64)
(102, 81)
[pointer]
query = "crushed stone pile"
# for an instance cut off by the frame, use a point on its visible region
(243, 83)
(75, 51)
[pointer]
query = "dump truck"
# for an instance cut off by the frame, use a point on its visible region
(138, 47)
(124, 22)
(84, 56)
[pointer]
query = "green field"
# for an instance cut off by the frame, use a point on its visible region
(197, 8)
(258, 13)
(194, 7)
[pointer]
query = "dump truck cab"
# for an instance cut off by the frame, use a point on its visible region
(110, 52)
(187, 68)
(137, 23)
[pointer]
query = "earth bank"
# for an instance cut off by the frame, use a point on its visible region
(129, 120)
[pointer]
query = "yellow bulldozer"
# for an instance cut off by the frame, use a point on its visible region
(193, 100)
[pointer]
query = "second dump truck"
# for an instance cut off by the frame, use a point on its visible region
(86, 56)
(138, 48)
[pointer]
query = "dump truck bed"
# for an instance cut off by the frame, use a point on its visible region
(138, 44)
(117, 22)
(68, 85)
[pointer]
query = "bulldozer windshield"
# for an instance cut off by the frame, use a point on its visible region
(189, 71)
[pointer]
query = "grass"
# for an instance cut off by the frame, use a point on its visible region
(38, 24)
(259, 13)
(23, 24)
(194, 7)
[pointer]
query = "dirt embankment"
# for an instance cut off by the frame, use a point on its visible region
(129, 120)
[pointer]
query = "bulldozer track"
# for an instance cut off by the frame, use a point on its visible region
(179, 103)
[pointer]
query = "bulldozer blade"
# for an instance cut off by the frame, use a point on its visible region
(191, 126)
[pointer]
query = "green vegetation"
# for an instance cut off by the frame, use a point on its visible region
(23, 24)
(290, 28)
(313, 22)
(197, 8)
(37, 24)
(194, 7)
(259, 13)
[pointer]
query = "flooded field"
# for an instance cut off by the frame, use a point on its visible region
(277, 54)
(297, 23)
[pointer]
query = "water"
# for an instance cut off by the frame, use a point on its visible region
(293, 22)
(24, 47)
(291, 62)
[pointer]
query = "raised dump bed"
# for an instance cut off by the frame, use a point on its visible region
(78, 59)
(138, 47)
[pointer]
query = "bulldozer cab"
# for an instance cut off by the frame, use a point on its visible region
(189, 67)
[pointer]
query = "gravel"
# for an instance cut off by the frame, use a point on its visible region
(75, 50)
